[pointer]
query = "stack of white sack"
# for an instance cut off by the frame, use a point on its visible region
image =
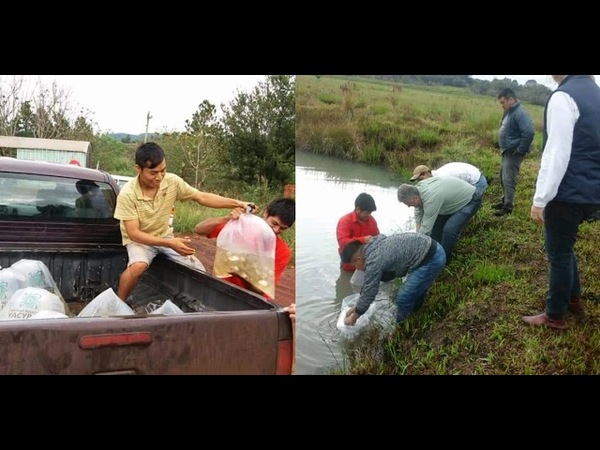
(10, 282)
(36, 274)
(29, 301)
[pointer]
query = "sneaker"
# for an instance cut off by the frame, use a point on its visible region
(498, 206)
(503, 212)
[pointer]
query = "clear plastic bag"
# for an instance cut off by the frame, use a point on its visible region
(361, 322)
(381, 313)
(10, 282)
(37, 274)
(246, 248)
(30, 300)
(105, 304)
(358, 279)
(168, 308)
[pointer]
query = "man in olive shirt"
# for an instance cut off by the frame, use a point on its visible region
(443, 207)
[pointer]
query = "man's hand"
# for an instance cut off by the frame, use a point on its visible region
(248, 206)
(537, 214)
(180, 246)
(235, 213)
(351, 317)
(291, 309)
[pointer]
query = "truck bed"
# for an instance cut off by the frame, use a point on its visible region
(225, 329)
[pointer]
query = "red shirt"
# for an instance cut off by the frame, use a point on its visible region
(283, 254)
(350, 229)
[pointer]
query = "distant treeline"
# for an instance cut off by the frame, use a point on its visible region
(531, 91)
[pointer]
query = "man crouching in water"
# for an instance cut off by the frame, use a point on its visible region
(384, 258)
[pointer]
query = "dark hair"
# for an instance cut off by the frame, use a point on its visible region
(149, 155)
(350, 250)
(507, 93)
(365, 202)
(284, 208)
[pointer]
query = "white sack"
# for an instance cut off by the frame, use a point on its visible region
(105, 304)
(27, 301)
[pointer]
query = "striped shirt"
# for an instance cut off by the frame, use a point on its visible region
(152, 213)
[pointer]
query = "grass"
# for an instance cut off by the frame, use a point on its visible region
(471, 320)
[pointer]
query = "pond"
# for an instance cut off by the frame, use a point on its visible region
(326, 190)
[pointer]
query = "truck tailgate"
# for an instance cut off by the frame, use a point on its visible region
(194, 343)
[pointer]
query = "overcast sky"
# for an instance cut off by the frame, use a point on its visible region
(546, 80)
(120, 103)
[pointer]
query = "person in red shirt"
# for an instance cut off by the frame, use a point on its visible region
(279, 215)
(358, 225)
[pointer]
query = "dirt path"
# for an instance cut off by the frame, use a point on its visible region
(285, 291)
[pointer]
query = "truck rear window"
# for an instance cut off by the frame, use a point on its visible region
(27, 197)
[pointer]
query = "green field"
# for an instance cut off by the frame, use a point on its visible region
(471, 320)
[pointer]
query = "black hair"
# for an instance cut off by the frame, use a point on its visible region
(350, 250)
(149, 155)
(284, 208)
(507, 93)
(365, 202)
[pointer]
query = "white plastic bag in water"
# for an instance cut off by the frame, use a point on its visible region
(246, 248)
(381, 313)
(361, 322)
(10, 282)
(357, 279)
(27, 301)
(107, 303)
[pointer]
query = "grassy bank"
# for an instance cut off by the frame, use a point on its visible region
(471, 320)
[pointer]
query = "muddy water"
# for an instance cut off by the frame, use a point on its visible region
(326, 190)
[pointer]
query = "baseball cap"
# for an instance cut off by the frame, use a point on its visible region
(418, 171)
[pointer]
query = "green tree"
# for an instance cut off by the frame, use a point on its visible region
(112, 156)
(259, 132)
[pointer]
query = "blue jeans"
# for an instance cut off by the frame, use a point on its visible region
(412, 294)
(447, 229)
(481, 186)
(509, 174)
(561, 224)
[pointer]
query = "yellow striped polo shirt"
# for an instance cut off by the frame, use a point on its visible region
(152, 213)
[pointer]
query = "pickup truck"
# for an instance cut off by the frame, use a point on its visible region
(224, 329)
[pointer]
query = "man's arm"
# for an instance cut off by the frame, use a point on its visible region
(525, 124)
(137, 235)
(430, 214)
(561, 116)
(217, 201)
(206, 227)
(367, 295)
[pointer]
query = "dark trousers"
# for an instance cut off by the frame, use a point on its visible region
(561, 224)
(509, 174)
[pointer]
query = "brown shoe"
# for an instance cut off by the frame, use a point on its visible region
(576, 307)
(543, 319)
